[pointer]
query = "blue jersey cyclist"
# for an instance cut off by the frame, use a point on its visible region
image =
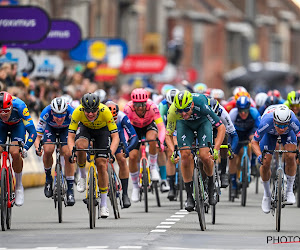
(55, 119)
(15, 118)
(246, 120)
(123, 124)
(277, 120)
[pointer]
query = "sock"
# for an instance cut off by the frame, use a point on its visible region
(189, 188)
(223, 165)
(48, 174)
(103, 195)
(290, 183)
(124, 183)
(82, 170)
(233, 180)
(163, 172)
(135, 179)
(152, 161)
(171, 180)
(70, 181)
(18, 180)
(267, 191)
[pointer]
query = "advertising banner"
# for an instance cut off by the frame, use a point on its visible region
(63, 35)
(17, 56)
(23, 24)
(100, 49)
(46, 66)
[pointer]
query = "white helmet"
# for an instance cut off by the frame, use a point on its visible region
(239, 89)
(101, 93)
(282, 114)
(59, 105)
(171, 94)
(260, 99)
(68, 98)
(217, 94)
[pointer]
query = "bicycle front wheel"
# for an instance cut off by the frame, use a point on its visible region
(244, 182)
(59, 192)
(198, 193)
(145, 184)
(180, 184)
(279, 199)
(155, 185)
(113, 192)
(91, 203)
(9, 209)
(298, 186)
(3, 199)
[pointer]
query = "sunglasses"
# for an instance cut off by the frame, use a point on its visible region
(59, 115)
(185, 110)
(139, 104)
(243, 110)
(90, 111)
(282, 126)
(5, 111)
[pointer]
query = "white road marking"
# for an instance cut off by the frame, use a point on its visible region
(168, 222)
(173, 219)
(130, 247)
(163, 226)
(182, 213)
(158, 231)
(177, 216)
(97, 247)
(46, 248)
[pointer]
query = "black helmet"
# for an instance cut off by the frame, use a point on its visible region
(271, 100)
(90, 102)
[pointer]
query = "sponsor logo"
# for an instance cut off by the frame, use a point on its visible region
(210, 119)
(49, 134)
(45, 117)
(183, 137)
(294, 126)
(30, 140)
(197, 108)
(207, 107)
(25, 112)
(263, 128)
(204, 137)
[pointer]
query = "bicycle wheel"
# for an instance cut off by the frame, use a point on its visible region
(180, 184)
(244, 182)
(298, 186)
(198, 193)
(91, 203)
(9, 209)
(216, 194)
(155, 185)
(3, 199)
(279, 199)
(145, 184)
(113, 192)
(59, 192)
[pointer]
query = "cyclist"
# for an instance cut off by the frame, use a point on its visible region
(293, 102)
(191, 113)
(260, 99)
(232, 103)
(56, 118)
(101, 94)
(123, 124)
(246, 120)
(15, 118)
(93, 119)
(271, 100)
(147, 122)
(200, 88)
(233, 137)
(278, 120)
(167, 170)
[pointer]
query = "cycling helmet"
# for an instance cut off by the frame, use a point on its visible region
(139, 95)
(114, 108)
(101, 94)
(293, 98)
(90, 102)
(200, 88)
(282, 114)
(67, 98)
(217, 94)
(274, 92)
(5, 100)
(243, 102)
(183, 99)
(260, 99)
(166, 88)
(171, 95)
(239, 89)
(242, 93)
(215, 105)
(271, 100)
(59, 105)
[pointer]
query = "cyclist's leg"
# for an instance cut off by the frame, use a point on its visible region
(290, 143)
(171, 171)
(223, 163)
(3, 135)
(162, 163)
(185, 137)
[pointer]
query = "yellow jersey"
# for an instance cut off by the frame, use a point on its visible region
(104, 118)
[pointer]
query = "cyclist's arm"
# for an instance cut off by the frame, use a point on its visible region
(234, 139)
(160, 124)
(169, 141)
(256, 147)
(114, 143)
(133, 138)
(31, 137)
(71, 140)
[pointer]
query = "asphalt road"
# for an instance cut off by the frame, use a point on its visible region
(35, 225)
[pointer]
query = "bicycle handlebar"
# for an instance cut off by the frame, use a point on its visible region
(20, 144)
(143, 141)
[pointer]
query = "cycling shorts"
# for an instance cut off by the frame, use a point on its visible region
(50, 134)
(141, 132)
(18, 132)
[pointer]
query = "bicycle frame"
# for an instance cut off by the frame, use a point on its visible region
(144, 157)
(92, 165)
(245, 155)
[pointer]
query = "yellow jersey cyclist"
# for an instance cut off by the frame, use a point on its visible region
(190, 113)
(93, 119)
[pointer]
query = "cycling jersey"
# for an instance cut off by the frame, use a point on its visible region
(163, 110)
(18, 119)
(152, 114)
(250, 124)
(123, 123)
(46, 117)
(232, 103)
(103, 119)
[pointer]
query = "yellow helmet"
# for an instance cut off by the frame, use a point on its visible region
(183, 99)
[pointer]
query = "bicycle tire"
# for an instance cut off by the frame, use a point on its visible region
(113, 192)
(3, 199)
(155, 185)
(91, 202)
(59, 192)
(199, 199)
(279, 199)
(9, 209)
(180, 181)
(213, 207)
(298, 186)
(213, 214)
(244, 182)
(145, 184)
